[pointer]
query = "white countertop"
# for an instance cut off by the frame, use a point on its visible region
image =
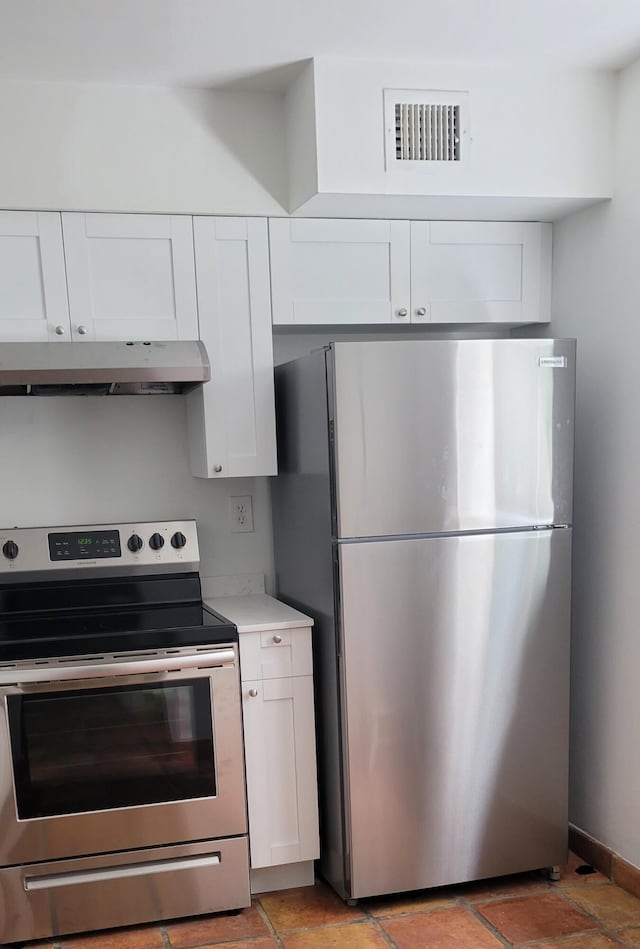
(259, 611)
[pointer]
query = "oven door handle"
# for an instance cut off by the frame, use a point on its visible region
(51, 881)
(108, 670)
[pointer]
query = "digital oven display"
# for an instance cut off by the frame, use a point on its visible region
(90, 545)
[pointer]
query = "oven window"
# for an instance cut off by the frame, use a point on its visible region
(96, 749)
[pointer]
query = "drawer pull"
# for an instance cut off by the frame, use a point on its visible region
(51, 881)
(253, 693)
(277, 639)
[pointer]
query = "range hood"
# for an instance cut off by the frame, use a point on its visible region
(102, 368)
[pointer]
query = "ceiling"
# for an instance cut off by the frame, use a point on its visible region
(215, 42)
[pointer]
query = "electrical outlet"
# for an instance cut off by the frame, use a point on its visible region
(241, 514)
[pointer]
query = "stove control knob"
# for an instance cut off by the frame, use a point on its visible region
(178, 540)
(135, 543)
(10, 550)
(156, 541)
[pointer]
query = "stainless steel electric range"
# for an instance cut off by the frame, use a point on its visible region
(122, 795)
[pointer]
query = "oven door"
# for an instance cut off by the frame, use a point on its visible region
(104, 754)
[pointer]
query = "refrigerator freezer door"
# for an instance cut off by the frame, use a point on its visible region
(456, 666)
(452, 435)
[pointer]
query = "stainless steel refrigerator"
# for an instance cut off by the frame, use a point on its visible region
(422, 517)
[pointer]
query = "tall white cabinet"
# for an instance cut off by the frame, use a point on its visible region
(232, 417)
(33, 286)
(279, 738)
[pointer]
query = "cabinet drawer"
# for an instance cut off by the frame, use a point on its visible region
(273, 654)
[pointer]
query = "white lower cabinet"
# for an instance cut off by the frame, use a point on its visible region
(279, 739)
(281, 770)
(280, 750)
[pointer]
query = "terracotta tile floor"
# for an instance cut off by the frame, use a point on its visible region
(581, 911)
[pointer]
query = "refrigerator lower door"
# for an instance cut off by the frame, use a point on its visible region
(455, 665)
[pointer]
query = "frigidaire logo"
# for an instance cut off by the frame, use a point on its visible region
(553, 362)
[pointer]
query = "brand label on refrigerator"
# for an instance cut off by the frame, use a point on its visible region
(553, 362)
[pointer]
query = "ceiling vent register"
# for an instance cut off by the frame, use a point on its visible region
(427, 132)
(425, 128)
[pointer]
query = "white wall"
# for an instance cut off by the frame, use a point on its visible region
(596, 292)
(134, 148)
(119, 148)
(99, 460)
(533, 131)
(302, 145)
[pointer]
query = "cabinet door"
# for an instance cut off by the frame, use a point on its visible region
(33, 295)
(130, 276)
(479, 272)
(282, 795)
(232, 417)
(339, 271)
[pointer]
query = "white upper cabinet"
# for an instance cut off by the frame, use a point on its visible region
(351, 272)
(480, 272)
(33, 288)
(232, 417)
(339, 271)
(130, 276)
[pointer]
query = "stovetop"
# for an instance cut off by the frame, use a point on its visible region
(130, 596)
(40, 637)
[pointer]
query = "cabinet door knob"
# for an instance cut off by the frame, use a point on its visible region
(253, 693)
(59, 330)
(277, 639)
(421, 311)
(217, 468)
(82, 330)
(402, 311)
